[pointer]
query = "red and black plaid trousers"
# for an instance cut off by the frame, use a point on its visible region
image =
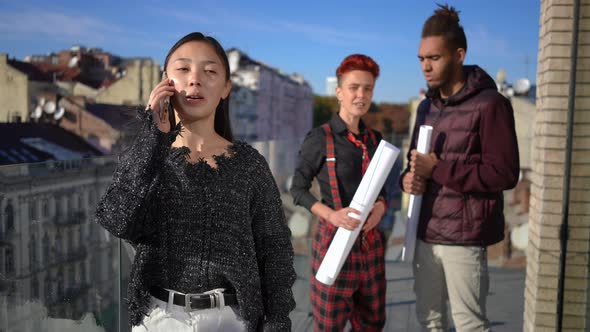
(358, 294)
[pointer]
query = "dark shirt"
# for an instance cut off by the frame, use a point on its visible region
(312, 163)
(198, 228)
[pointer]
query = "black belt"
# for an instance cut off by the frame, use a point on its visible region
(196, 301)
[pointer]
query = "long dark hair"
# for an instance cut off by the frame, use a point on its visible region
(221, 123)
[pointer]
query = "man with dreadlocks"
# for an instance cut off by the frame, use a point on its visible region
(473, 158)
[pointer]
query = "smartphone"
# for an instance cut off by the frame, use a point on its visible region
(168, 105)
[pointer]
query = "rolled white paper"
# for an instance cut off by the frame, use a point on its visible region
(423, 146)
(363, 201)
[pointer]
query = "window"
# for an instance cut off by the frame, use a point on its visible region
(91, 199)
(45, 208)
(9, 212)
(69, 245)
(47, 287)
(72, 276)
(81, 201)
(33, 213)
(46, 248)
(81, 235)
(16, 117)
(33, 252)
(58, 244)
(9, 260)
(82, 273)
(58, 207)
(34, 287)
(71, 203)
(60, 284)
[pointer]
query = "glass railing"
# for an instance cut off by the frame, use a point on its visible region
(60, 271)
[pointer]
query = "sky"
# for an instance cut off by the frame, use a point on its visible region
(306, 37)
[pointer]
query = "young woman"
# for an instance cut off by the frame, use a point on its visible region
(337, 154)
(204, 212)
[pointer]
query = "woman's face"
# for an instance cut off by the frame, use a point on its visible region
(355, 92)
(199, 80)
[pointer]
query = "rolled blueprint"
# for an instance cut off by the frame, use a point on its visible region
(415, 201)
(363, 201)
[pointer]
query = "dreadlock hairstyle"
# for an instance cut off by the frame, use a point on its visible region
(445, 22)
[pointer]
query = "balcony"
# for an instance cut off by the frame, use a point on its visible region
(505, 303)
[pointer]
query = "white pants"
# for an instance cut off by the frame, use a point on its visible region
(166, 317)
(458, 274)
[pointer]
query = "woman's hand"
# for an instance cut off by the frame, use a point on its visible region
(375, 216)
(340, 218)
(158, 103)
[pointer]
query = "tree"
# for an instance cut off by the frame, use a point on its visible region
(323, 109)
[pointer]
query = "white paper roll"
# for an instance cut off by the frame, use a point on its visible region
(363, 201)
(423, 146)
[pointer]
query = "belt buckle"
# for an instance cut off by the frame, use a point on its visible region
(215, 296)
(188, 302)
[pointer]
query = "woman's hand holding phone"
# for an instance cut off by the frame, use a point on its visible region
(159, 101)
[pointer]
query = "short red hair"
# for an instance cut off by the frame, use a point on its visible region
(357, 62)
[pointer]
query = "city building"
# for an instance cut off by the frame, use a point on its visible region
(271, 110)
(20, 82)
(331, 85)
(55, 262)
(33, 142)
(79, 71)
(279, 105)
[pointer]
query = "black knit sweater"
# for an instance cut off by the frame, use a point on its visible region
(198, 228)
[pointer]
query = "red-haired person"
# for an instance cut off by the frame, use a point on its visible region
(337, 154)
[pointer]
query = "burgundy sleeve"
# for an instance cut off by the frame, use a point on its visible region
(499, 166)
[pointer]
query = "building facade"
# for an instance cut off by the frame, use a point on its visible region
(55, 261)
(271, 110)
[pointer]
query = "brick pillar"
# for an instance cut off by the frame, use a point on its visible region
(555, 42)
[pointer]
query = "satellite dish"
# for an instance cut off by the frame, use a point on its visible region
(49, 107)
(59, 114)
(73, 62)
(510, 92)
(36, 112)
(522, 86)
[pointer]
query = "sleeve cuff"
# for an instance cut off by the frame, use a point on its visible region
(308, 201)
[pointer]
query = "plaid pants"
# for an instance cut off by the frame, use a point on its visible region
(358, 294)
